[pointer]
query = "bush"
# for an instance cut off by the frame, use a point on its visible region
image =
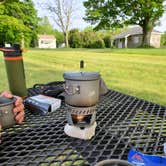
(92, 40)
(85, 40)
(98, 44)
(163, 39)
(107, 41)
(88, 39)
(75, 39)
(59, 37)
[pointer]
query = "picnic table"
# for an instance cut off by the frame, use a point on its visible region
(123, 122)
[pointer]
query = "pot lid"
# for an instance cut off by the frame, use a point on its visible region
(81, 76)
(6, 101)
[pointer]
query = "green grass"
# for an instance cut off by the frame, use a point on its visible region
(138, 72)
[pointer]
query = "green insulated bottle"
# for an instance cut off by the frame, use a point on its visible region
(15, 70)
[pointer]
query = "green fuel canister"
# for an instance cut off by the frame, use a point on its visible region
(15, 70)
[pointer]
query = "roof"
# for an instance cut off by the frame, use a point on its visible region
(136, 30)
(47, 37)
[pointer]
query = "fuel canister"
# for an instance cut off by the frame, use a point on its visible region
(15, 70)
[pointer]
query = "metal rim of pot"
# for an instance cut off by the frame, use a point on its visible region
(4, 101)
(81, 76)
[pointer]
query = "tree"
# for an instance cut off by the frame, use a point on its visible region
(44, 26)
(116, 13)
(30, 19)
(88, 29)
(62, 13)
(59, 37)
(23, 13)
(11, 29)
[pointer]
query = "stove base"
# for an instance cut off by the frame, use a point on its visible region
(86, 133)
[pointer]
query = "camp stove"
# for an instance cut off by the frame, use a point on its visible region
(81, 121)
(81, 97)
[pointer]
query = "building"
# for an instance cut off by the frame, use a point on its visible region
(132, 38)
(46, 41)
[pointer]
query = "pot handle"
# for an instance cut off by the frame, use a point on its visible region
(72, 90)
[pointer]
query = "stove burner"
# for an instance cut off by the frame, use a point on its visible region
(81, 116)
(81, 110)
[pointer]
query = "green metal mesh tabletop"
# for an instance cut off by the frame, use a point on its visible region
(123, 122)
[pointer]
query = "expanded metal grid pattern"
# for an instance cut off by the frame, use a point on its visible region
(123, 122)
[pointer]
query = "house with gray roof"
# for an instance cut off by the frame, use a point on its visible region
(132, 37)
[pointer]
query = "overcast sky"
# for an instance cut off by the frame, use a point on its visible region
(78, 22)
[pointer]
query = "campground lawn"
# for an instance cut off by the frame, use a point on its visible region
(137, 72)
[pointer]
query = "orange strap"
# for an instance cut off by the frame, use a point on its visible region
(13, 58)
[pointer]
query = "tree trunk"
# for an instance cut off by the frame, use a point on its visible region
(22, 40)
(146, 37)
(147, 29)
(66, 39)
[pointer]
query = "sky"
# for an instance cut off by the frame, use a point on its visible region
(162, 26)
(78, 21)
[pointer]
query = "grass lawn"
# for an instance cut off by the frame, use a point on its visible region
(138, 72)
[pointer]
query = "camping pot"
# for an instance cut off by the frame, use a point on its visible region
(7, 118)
(81, 88)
